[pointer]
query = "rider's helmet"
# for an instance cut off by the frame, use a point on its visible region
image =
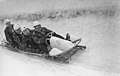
(25, 31)
(36, 23)
(6, 21)
(17, 28)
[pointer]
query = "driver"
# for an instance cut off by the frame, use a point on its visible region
(40, 34)
(44, 31)
(17, 36)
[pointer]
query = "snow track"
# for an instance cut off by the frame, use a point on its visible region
(99, 32)
(14, 64)
(94, 61)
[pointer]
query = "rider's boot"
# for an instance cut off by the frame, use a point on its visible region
(68, 37)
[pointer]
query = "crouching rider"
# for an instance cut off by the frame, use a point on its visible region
(39, 38)
(9, 30)
(17, 36)
(31, 46)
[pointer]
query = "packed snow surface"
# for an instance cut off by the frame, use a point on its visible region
(100, 34)
(100, 57)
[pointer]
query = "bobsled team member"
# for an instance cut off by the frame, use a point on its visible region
(39, 39)
(17, 36)
(29, 44)
(9, 32)
(44, 31)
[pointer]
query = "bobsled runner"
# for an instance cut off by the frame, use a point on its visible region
(68, 50)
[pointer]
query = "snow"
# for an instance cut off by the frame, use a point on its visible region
(100, 35)
(14, 64)
(99, 59)
(29, 6)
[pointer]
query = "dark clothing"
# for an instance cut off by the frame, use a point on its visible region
(9, 34)
(44, 48)
(18, 39)
(39, 36)
(29, 41)
(40, 41)
(29, 44)
(59, 36)
(45, 31)
(42, 33)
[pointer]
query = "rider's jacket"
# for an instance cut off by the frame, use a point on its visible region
(28, 41)
(32, 41)
(9, 33)
(39, 35)
(18, 39)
